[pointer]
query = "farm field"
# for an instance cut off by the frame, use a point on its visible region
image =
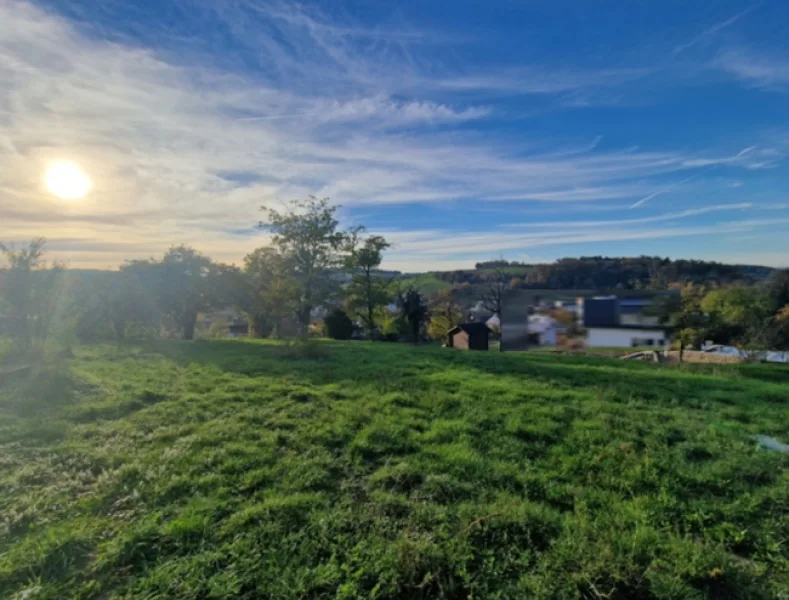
(241, 469)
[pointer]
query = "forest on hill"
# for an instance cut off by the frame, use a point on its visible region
(599, 272)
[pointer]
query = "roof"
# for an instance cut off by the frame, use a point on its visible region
(471, 329)
(494, 321)
(541, 323)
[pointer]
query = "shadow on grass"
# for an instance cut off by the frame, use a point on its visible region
(38, 390)
(400, 367)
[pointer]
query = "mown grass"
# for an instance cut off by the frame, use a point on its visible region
(244, 470)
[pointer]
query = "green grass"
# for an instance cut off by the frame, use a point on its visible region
(427, 283)
(246, 470)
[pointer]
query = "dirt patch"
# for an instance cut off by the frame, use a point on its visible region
(695, 356)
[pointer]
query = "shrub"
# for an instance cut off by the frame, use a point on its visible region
(338, 325)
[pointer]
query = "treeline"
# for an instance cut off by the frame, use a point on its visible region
(749, 316)
(312, 278)
(598, 272)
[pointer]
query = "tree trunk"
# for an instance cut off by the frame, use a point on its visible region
(189, 326)
(303, 317)
(120, 329)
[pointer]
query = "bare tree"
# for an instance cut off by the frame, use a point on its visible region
(493, 296)
(495, 289)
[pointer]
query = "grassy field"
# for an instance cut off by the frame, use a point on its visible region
(427, 283)
(358, 470)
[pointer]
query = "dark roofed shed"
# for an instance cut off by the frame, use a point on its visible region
(469, 336)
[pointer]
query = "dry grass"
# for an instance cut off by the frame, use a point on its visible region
(697, 357)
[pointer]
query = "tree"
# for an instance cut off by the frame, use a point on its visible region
(445, 313)
(413, 311)
(28, 295)
(780, 329)
(367, 290)
(338, 325)
(269, 289)
(667, 309)
(779, 291)
(184, 283)
(306, 234)
(111, 303)
(738, 314)
(496, 287)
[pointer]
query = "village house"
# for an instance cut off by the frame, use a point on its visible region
(622, 322)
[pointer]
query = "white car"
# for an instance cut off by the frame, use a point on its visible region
(721, 349)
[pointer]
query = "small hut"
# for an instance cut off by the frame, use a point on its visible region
(468, 336)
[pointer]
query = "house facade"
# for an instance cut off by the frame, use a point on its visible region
(543, 330)
(622, 322)
(626, 337)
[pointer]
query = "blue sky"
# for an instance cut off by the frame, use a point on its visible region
(462, 132)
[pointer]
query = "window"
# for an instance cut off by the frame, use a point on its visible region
(650, 342)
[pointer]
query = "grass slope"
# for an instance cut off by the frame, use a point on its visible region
(243, 470)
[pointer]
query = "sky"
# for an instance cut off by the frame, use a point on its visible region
(462, 131)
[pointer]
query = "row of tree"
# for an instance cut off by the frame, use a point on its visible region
(310, 264)
(750, 316)
(610, 273)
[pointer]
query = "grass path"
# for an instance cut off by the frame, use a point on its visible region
(243, 469)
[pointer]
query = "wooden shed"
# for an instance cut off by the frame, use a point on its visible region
(469, 336)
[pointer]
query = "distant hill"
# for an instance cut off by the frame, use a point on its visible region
(586, 272)
(593, 272)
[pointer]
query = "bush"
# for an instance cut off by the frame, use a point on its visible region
(338, 325)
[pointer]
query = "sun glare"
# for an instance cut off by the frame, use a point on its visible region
(66, 180)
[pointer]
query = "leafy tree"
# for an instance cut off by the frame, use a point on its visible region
(184, 283)
(367, 290)
(667, 309)
(28, 295)
(737, 314)
(338, 325)
(779, 290)
(779, 329)
(269, 289)
(112, 303)
(445, 313)
(413, 310)
(306, 235)
(389, 323)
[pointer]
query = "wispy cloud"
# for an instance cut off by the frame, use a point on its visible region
(659, 192)
(712, 30)
(693, 212)
(183, 147)
(761, 71)
(473, 246)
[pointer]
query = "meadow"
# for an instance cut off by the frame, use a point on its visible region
(241, 469)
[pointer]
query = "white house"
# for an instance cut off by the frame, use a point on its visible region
(624, 336)
(615, 322)
(544, 329)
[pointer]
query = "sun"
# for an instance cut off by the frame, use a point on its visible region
(67, 181)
